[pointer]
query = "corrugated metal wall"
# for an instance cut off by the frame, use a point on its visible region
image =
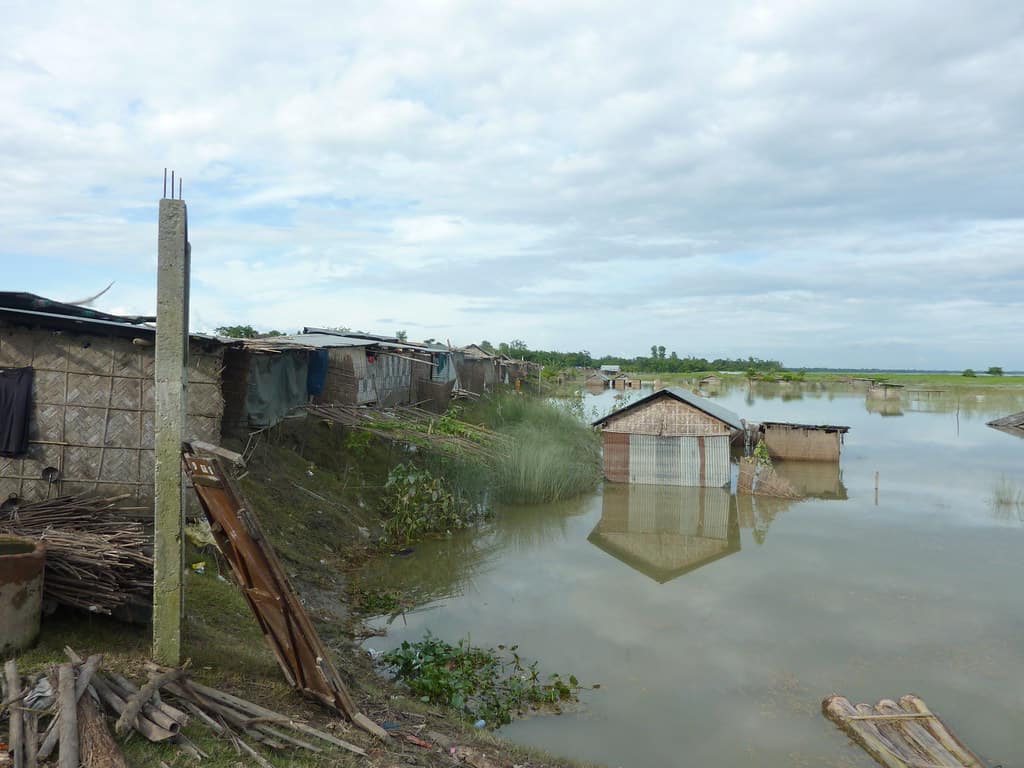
(656, 460)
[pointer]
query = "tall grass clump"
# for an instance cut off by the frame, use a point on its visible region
(1008, 499)
(547, 454)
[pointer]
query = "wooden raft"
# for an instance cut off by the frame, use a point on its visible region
(900, 735)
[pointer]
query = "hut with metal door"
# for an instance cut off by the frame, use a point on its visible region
(88, 400)
(802, 442)
(665, 531)
(670, 437)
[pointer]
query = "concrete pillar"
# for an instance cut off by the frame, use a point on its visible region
(172, 287)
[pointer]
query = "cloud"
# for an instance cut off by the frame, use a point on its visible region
(832, 183)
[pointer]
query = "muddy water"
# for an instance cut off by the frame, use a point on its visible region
(715, 643)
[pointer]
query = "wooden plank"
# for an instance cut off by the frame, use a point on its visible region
(286, 626)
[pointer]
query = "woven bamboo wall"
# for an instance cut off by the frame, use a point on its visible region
(799, 444)
(668, 417)
(346, 368)
(93, 412)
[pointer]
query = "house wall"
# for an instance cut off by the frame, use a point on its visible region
(93, 412)
(345, 383)
(669, 417)
(799, 444)
(687, 460)
(388, 380)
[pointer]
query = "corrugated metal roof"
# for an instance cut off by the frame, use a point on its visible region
(709, 407)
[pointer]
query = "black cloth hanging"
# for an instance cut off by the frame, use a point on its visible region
(15, 406)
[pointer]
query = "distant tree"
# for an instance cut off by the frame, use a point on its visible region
(673, 356)
(401, 335)
(236, 331)
(517, 345)
(995, 370)
(431, 340)
(654, 351)
(661, 353)
(969, 372)
(273, 333)
(486, 346)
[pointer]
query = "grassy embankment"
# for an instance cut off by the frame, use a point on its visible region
(317, 491)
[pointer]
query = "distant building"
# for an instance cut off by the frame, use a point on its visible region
(611, 370)
(670, 437)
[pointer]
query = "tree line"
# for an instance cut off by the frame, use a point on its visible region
(659, 361)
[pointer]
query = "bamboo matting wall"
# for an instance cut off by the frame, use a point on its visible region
(93, 411)
(801, 444)
(668, 417)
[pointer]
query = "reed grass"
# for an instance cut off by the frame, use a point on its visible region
(549, 454)
(1008, 498)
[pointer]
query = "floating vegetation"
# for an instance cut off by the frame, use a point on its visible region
(483, 684)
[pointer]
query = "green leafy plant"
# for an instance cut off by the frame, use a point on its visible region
(761, 454)
(488, 684)
(417, 503)
(969, 372)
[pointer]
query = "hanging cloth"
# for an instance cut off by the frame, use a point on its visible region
(15, 407)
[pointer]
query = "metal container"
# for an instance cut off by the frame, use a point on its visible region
(21, 592)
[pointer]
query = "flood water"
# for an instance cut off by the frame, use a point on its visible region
(715, 641)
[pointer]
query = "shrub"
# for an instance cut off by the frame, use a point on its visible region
(417, 503)
(969, 372)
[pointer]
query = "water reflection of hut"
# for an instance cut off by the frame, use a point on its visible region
(664, 531)
(814, 479)
(670, 437)
(803, 442)
(884, 407)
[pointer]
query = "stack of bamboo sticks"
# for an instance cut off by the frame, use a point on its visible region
(413, 425)
(78, 733)
(98, 554)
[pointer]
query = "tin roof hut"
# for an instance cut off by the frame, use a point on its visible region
(1012, 424)
(90, 404)
(670, 437)
(664, 531)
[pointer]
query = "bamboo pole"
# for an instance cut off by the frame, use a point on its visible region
(142, 697)
(16, 734)
(944, 735)
(68, 727)
(31, 739)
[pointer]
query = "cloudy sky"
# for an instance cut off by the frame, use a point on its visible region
(827, 183)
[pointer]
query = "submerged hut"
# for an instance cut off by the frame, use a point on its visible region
(664, 531)
(625, 381)
(1012, 424)
(802, 442)
(884, 391)
(670, 437)
(81, 383)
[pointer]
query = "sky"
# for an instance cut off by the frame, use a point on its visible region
(824, 183)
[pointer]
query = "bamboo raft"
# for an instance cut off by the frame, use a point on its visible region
(900, 735)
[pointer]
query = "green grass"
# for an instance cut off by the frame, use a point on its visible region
(548, 455)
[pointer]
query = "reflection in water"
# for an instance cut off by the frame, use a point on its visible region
(665, 531)
(756, 513)
(883, 407)
(814, 479)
